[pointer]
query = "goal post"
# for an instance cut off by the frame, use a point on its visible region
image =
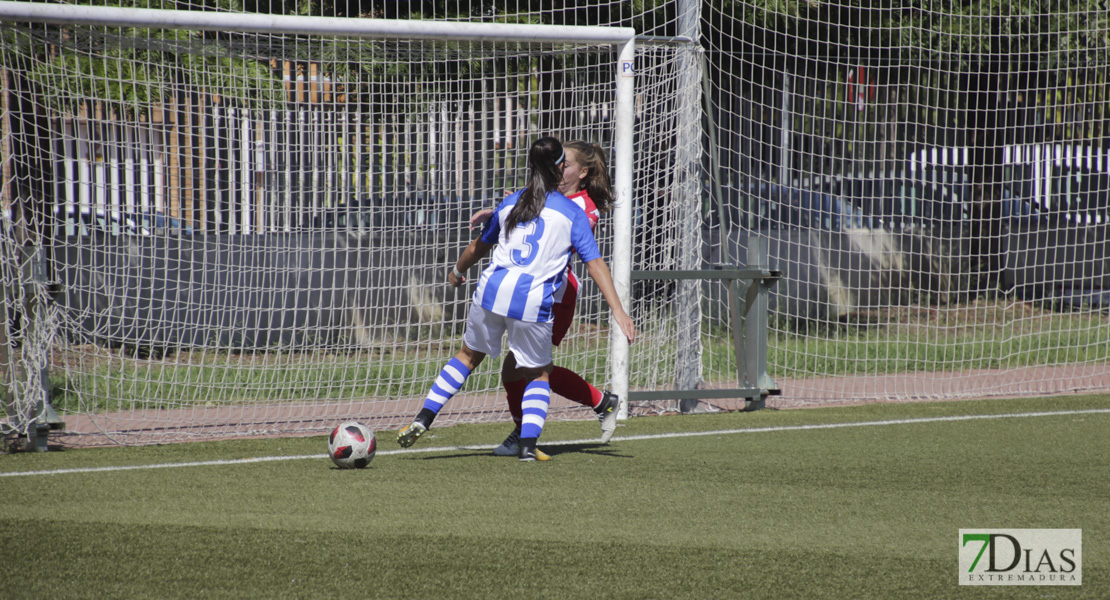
(262, 211)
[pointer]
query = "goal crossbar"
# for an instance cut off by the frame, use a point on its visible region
(68, 14)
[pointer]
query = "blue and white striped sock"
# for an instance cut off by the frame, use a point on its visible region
(537, 396)
(449, 382)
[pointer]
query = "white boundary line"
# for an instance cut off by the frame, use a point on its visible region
(655, 436)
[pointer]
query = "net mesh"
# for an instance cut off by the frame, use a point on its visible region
(248, 234)
(933, 181)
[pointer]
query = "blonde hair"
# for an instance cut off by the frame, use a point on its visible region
(597, 183)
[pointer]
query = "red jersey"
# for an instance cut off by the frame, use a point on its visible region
(582, 199)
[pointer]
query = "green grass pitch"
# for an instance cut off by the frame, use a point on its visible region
(771, 504)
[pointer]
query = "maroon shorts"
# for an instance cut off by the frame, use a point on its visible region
(564, 312)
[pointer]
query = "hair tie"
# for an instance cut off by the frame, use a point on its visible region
(559, 160)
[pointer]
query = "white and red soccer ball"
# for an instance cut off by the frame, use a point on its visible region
(351, 445)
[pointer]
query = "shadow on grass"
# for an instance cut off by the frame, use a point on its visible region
(595, 449)
(458, 454)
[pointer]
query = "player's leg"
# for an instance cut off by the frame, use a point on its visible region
(531, 343)
(565, 382)
(537, 398)
(574, 387)
(563, 312)
(482, 337)
(450, 380)
(514, 394)
(514, 390)
(571, 385)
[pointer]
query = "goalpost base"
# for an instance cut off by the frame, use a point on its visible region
(748, 289)
(35, 436)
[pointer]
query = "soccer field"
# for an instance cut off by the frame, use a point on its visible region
(851, 502)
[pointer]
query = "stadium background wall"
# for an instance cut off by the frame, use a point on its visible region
(202, 291)
(338, 289)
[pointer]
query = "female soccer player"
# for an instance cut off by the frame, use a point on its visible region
(586, 182)
(532, 234)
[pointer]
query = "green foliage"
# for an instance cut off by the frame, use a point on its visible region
(128, 70)
(125, 82)
(960, 36)
(1007, 31)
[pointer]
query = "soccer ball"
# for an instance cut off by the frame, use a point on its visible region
(351, 445)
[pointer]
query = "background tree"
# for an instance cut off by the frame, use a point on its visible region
(982, 74)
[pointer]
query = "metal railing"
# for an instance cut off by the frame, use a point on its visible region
(748, 289)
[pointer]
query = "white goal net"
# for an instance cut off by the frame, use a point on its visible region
(247, 233)
(933, 179)
(234, 232)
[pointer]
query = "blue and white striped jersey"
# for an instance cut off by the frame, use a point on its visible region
(530, 263)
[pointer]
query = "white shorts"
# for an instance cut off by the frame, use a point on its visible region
(530, 342)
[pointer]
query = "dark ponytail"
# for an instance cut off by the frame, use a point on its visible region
(544, 159)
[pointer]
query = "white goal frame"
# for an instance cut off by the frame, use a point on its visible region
(623, 38)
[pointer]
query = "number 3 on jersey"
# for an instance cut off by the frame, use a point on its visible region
(534, 231)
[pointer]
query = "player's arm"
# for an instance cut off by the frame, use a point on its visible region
(478, 219)
(476, 251)
(599, 272)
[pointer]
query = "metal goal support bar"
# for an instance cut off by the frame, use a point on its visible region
(748, 289)
(72, 14)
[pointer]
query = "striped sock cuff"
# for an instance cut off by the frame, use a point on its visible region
(537, 397)
(449, 382)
